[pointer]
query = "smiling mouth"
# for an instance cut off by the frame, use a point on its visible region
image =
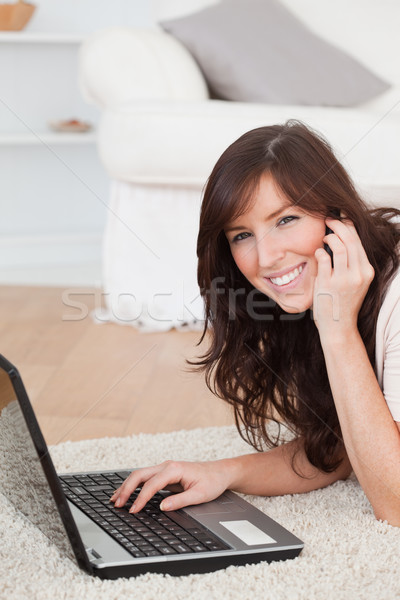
(288, 277)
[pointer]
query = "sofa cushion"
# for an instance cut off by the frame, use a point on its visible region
(258, 51)
(177, 144)
(121, 64)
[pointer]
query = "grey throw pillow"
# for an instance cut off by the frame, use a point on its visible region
(258, 51)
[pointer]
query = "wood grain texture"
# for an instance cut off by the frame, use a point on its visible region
(89, 380)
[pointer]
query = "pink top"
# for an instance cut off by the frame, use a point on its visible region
(387, 351)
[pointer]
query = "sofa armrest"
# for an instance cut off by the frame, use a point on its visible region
(120, 65)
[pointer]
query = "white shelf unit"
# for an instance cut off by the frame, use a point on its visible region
(53, 188)
(33, 37)
(46, 138)
(30, 42)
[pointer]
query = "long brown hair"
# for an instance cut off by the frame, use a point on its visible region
(266, 363)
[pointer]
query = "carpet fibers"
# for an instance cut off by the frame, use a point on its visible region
(348, 554)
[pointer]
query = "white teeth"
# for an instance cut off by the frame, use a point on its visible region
(287, 278)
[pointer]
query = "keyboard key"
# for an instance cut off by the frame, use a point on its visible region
(131, 547)
(187, 539)
(152, 553)
(83, 479)
(133, 537)
(69, 480)
(123, 474)
(144, 547)
(166, 550)
(198, 548)
(167, 537)
(182, 549)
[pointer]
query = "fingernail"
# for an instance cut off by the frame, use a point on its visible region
(118, 502)
(132, 508)
(165, 505)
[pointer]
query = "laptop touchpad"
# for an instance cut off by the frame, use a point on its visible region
(221, 505)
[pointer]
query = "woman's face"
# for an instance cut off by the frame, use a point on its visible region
(273, 245)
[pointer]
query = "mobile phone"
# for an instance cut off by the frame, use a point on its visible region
(335, 213)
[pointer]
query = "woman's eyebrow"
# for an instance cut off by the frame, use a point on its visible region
(269, 218)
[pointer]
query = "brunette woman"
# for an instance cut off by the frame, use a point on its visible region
(296, 336)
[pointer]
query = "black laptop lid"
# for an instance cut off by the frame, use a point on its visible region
(27, 473)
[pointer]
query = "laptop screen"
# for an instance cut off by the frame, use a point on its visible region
(22, 476)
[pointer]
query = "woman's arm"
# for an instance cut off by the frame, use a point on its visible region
(265, 473)
(271, 473)
(370, 435)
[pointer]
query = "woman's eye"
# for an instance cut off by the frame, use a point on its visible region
(287, 219)
(241, 236)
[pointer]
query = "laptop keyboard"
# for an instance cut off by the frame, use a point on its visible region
(151, 532)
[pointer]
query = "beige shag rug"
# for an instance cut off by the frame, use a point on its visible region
(347, 553)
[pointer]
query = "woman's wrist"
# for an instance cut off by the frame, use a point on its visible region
(338, 338)
(233, 470)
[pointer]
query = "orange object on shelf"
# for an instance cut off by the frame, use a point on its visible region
(71, 125)
(14, 17)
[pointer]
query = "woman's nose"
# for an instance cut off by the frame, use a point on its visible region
(269, 252)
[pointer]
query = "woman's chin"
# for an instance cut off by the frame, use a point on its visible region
(295, 305)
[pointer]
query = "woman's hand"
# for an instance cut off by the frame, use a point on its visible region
(339, 292)
(200, 482)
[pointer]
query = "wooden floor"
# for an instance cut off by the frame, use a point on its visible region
(89, 380)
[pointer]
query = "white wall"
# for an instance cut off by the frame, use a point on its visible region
(53, 194)
(85, 16)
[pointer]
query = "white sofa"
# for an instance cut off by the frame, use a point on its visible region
(160, 135)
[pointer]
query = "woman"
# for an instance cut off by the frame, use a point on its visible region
(296, 336)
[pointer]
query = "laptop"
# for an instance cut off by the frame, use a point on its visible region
(74, 511)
